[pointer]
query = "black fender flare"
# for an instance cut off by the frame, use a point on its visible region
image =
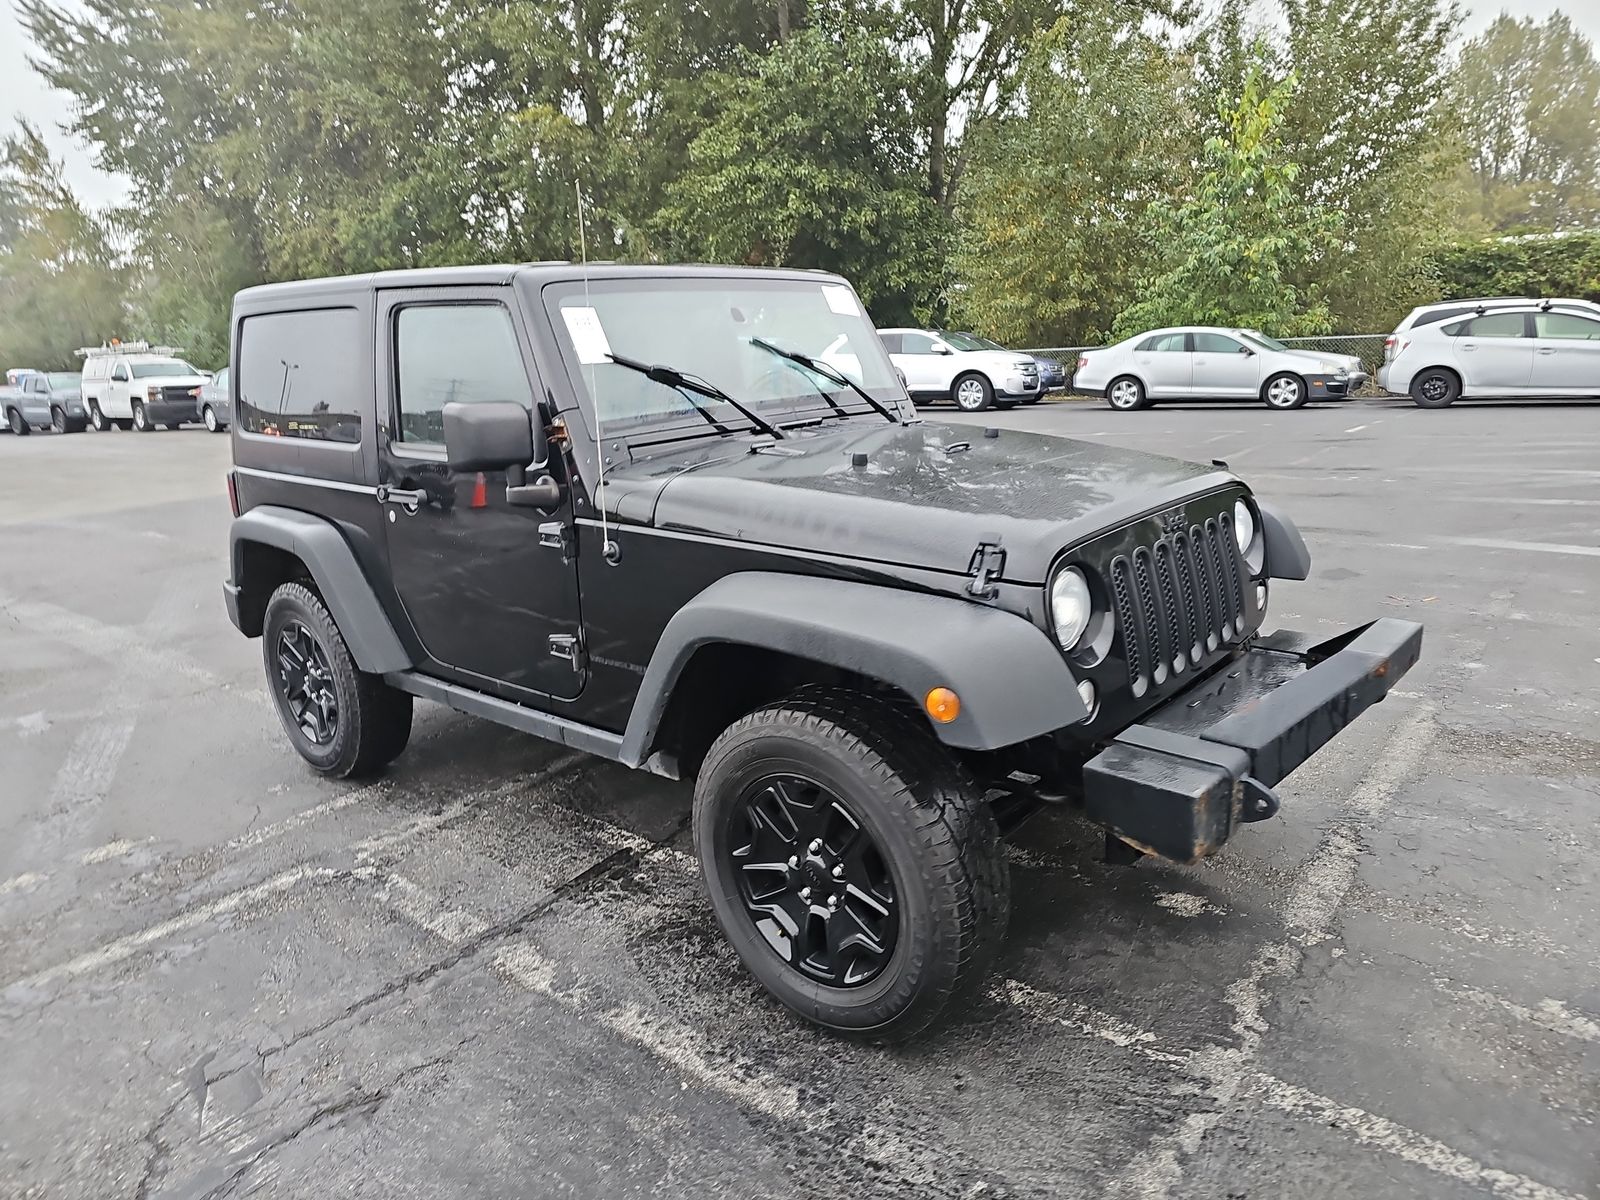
(1012, 680)
(318, 543)
(1287, 556)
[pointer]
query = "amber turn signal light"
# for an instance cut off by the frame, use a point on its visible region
(943, 705)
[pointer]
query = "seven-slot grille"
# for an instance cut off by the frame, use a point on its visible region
(1178, 600)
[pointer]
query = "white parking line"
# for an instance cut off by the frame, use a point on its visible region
(1531, 547)
(1553, 1016)
(1319, 888)
(1355, 429)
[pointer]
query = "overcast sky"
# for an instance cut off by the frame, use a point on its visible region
(22, 93)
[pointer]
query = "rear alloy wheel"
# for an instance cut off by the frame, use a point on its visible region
(141, 419)
(340, 719)
(1285, 392)
(19, 425)
(851, 863)
(1435, 388)
(1126, 394)
(97, 420)
(209, 416)
(973, 393)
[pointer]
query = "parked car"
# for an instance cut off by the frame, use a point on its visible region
(1200, 362)
(1357, 370)
(959, 367)
(215, 406)
(871, 641)
(136, 386)
(1052, 372)
(1530, 349)
(46, 399)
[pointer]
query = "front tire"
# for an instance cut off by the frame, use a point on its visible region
(851, 863)
(141, 419)
(1435, 388)
(341, 720)
(972, 393)
(1285, 392)
(1127, 394)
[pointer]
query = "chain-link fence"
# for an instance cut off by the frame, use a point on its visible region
(1368, 347)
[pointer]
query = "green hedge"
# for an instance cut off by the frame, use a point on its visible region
(1566, 265)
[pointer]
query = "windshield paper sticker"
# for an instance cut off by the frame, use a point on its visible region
(588, 335)
(841, 299)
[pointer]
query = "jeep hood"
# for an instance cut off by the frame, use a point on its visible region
(925, 497)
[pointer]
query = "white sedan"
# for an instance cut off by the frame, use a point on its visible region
(1196, 362)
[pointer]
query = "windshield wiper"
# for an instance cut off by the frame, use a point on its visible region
(686, 384)
(827, 372)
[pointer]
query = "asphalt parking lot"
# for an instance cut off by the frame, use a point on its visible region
(492, 973)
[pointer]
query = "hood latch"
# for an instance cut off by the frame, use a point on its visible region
(987, 565)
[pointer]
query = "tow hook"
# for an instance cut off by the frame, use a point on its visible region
(1258, 802)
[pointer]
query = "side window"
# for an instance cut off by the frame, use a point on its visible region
(916, 343)
(1495, 325)
(36, 383)
(1566, 327)
(891, 342)
(1165, 343)
(296, 374)
(1215, 343)
(1443, 314)
(444, 353)
(119, 373)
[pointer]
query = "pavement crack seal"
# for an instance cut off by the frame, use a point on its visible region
(1223, 1072)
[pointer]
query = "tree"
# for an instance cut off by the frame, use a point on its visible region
(1236, 245)
(1529, 99)
(1373, 137)
(1052, 208)
(807, 160)
(1564, 265)
(60, 287)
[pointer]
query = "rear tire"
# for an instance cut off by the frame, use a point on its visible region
(920, 940)
(1285, 392)
(1435, 388)
(341, 720)
(972, 392)
(97, 420)
(209, 416)
(1127, 394)
(17, 422)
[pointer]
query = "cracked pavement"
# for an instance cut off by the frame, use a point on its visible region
(491, 972)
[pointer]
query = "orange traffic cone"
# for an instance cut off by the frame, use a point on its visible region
(480, 493)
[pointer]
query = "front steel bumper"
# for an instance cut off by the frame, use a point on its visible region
(1179, 782)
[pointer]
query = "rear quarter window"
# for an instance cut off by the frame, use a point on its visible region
(298, 374)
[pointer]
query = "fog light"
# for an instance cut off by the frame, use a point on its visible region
(1086, 693)
(943, 705)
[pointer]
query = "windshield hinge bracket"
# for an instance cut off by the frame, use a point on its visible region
(988, 563)
(557, 535)
(570, 647)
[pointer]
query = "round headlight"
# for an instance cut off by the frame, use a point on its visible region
(1069, 606)
(1244, 526)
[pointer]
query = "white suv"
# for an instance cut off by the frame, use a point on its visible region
(959, 367)
(135, 386)
(1532, 348)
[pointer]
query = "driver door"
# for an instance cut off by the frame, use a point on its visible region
(494, 604)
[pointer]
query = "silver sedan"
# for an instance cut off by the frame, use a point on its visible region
(1196, 362)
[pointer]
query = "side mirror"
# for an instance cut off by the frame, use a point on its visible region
(939, 349)
(488, 437)
(1247, 352)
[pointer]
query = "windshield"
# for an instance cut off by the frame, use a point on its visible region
(966, 341)
(704, 329)
(65, 379)
(1261, 339)
(161, 366)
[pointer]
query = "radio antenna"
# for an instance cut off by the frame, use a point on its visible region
(608, 549)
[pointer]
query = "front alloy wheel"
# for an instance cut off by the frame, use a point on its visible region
(141, 419)
(973, 393)
(813, 880)
(1286, 391)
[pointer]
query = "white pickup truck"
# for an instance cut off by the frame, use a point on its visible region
(135, 386)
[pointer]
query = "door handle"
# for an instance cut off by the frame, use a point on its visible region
(408, 499)
(1547, 349)
(1469, 346)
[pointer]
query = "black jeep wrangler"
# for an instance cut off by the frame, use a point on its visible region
(687, 519)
